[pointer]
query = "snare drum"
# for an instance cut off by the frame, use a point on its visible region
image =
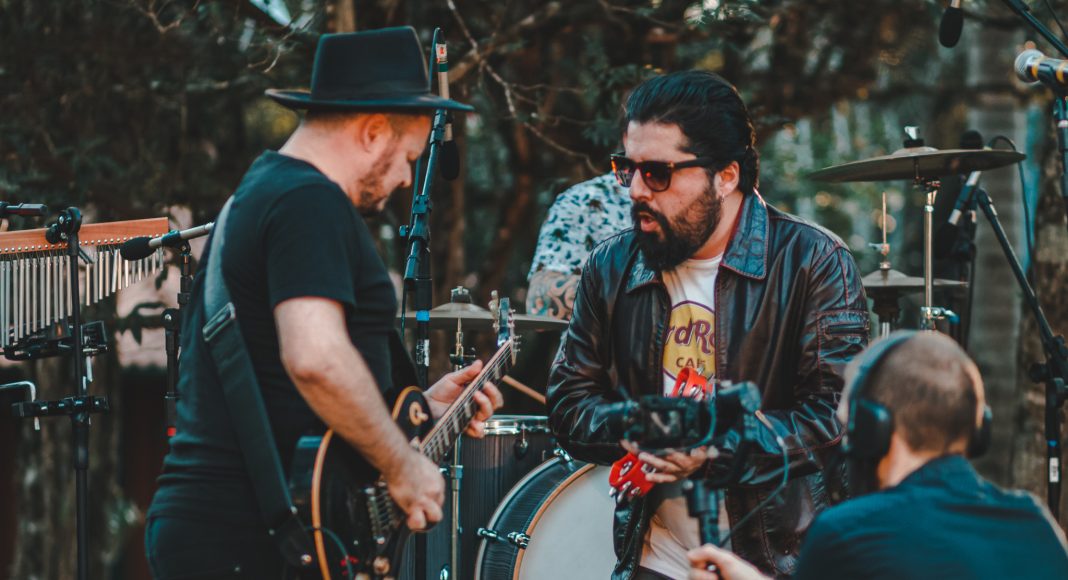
(563, 512)
(513, 446)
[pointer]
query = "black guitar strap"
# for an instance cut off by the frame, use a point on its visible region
(248, 413)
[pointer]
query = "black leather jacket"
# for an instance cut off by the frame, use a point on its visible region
(790, 313)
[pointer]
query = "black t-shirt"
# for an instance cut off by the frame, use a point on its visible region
(942, 522)
(291, 233)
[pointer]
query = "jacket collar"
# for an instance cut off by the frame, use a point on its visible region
(746, 254)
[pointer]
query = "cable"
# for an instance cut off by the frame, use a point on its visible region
(1055, 19)
(349, 573)
(778, 490)
(1028, 224)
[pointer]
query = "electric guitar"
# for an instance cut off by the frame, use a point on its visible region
(357, 529)
(627, 476)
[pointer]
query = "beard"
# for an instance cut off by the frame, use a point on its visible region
(678, 238)
(373, 194)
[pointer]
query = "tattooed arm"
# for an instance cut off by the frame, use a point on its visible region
(552, 294)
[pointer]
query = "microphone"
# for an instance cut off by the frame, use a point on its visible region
(1033, 66)
(449, 162)
(951, 25)
(143, 246)
(946, 236)
(23, 209)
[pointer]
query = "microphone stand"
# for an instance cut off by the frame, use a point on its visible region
(172, 325)
(1052, 372)
(417, 277)
(963, 253)
(1060, 117)
(1024, 11)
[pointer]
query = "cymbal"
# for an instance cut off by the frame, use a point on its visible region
(918, 162)
(475, 317)
(893, 280)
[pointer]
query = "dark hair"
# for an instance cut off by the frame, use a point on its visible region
(929, 385)
(709, 112)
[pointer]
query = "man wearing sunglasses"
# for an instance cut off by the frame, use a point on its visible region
(709, 277)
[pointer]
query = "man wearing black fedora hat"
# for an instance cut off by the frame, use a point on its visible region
(315, 306)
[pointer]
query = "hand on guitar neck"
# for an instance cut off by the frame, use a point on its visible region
(442, 394)
(421, 505)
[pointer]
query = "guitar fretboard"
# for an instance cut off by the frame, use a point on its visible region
(455, 419)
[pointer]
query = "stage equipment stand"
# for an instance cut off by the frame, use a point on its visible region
(1053, 371)
(417, 278)
(82, 405)
(172, 329)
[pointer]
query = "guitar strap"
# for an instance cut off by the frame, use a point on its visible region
(247, 411)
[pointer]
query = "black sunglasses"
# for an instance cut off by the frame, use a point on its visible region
(655, 174)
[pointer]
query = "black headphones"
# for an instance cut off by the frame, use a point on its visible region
(871, 424)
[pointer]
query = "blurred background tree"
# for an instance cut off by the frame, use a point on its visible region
(133, 108)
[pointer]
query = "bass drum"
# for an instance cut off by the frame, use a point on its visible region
(563, 510)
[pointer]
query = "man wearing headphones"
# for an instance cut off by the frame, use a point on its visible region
(913, 407)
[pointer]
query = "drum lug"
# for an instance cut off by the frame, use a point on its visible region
(517, 539)
(564, 455)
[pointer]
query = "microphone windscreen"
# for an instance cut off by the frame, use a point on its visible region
(136, 249)
(949, 29)
(449, 162)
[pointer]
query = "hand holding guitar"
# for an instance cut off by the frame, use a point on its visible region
(445, 391)
(418, 488)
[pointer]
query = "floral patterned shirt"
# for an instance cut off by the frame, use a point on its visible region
(579, 219)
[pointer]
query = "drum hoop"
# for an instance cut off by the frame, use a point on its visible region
(497, 513)
(560, 487)
(516, 424)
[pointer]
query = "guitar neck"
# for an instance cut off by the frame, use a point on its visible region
(455, 419)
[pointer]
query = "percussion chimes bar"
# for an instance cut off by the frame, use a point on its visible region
(109, 233)
(35, 279)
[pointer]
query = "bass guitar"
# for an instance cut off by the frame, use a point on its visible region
(357, 529)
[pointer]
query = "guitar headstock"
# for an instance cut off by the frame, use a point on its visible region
(504, 323)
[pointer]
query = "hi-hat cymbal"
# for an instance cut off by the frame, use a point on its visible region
(918, 163)
(881, 280)
(475, 317)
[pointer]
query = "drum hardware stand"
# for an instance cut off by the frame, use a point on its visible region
(884, 304)
(1052, 372)
(82, 405)
(172, 330)
(460, 357)
(929, 313)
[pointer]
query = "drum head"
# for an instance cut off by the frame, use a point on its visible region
(565, 509)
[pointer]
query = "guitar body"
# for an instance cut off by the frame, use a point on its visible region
(342, 498)
(358, 530)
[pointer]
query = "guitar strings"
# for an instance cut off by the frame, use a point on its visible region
(497, 364)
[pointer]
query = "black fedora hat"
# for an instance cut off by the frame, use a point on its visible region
(376, 69)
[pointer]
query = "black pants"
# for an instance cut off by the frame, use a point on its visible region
(189, 549)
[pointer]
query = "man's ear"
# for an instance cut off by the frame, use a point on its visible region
(727, 180)
(372, 132)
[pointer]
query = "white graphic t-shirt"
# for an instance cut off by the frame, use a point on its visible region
(689, 342)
